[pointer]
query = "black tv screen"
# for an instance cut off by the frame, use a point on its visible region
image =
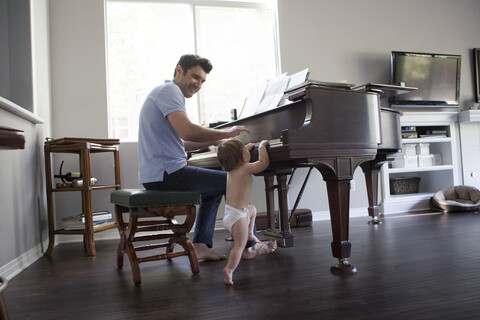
(437, 77)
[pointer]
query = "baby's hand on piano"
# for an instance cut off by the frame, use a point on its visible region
(249, 146)
(264, 143)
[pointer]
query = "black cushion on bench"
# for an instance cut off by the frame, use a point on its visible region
(139, 198)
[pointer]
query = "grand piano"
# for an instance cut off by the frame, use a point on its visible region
(334, 130)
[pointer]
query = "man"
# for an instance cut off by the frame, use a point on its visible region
(166, 133)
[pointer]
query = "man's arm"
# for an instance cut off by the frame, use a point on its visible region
(190, 132)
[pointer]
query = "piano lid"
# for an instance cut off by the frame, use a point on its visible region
(385, 90)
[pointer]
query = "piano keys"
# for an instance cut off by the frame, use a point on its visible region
(334, 130)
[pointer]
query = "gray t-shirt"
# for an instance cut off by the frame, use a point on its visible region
(160, 149)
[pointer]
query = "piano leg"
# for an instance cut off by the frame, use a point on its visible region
(284, 237)
(371, 170)
(287, 239)
(339, 202)
(337, 173)
(270, 200)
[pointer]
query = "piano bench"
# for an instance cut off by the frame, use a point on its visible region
(151, 218)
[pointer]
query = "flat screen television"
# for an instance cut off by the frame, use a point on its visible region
(437, 77)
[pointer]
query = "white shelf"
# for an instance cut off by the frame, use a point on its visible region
(433, 178)
(427, 140)
(410, 196)
(420, 169)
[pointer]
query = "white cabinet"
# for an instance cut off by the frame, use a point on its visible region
(469, 122)
(434, 176)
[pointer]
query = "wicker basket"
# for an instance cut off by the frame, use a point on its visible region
(404, 185)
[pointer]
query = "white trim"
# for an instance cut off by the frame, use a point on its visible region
(19, 111)
(22, 262)
(262, 4)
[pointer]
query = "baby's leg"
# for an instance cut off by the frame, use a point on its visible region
(240, 235)
(252, 214)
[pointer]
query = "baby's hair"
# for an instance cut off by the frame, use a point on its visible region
(230, 153)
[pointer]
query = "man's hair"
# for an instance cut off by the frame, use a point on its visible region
(188, 61)
(230, 153)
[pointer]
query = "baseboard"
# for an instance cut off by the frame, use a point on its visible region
(17, 265)
(14, 267)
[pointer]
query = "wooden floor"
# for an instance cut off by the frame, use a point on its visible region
(413, 266)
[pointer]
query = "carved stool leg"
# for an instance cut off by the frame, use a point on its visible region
(170, 247)
(190, 252)
(121, 229)
(132, 256)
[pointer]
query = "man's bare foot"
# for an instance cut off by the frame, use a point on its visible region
(228, 276)
(205, 253)
(259, 249)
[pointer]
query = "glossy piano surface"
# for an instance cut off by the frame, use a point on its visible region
(322, 123)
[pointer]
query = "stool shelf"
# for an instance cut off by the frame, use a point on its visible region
(69, 189)
(83, 147)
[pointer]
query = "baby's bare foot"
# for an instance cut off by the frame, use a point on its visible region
(228, 276)
(259, 249)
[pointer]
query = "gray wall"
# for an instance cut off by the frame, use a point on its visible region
(22, 191)
(15, 52)
(338, 40)
(351, 40)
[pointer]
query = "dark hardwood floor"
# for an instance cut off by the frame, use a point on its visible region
(413, 266)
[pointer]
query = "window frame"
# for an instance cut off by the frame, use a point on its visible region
(260, 4)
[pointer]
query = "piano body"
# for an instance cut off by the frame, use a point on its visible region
(334, 130)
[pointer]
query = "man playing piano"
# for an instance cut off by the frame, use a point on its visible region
(166, 133)
(240, 215)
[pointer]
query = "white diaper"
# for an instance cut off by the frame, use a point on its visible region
(232, 215)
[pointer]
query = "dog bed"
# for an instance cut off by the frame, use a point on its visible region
(457, 199)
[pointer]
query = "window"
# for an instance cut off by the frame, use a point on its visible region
(145, 39)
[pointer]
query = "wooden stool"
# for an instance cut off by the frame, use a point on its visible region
(157, 210)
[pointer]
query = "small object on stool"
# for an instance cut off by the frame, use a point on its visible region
(144, 204)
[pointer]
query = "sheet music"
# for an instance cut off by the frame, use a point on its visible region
(273, 93)
(270, 94)
(293, 81)
(253, 101)
(298, 78)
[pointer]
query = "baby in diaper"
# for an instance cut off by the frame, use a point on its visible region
(239, 218)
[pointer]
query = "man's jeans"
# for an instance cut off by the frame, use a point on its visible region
(211, 184)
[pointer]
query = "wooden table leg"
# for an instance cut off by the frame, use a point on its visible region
(51, 216)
